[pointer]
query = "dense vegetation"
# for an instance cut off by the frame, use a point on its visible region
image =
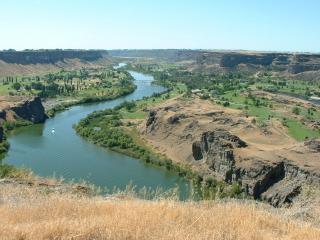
(84, 83)
(4, 146)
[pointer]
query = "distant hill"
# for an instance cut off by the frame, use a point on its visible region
(292, 63)
(166, 54)
(49, 56)
(37, 61)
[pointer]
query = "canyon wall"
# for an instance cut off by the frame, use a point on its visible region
(293, 63)
(49, 56)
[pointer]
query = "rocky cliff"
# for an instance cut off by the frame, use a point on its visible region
(223, 143)
(26, 109)
(31, 110)
(49, 56)
(216, 149)
(277, 181)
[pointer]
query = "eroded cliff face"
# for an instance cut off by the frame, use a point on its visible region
(223, 143)
(26, 109)
(31, 110)
(216, 148)
(293, 63)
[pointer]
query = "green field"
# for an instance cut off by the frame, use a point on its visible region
(78, 84)
(300, 132)
(264, 112)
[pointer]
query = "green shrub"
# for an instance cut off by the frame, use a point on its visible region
(296, 110)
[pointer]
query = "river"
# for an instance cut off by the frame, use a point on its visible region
(67, 155)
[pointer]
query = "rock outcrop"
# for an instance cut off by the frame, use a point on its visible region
(259, 175)
(151, 120)
(313, 144)
(282, 193)
(31, 110)
(216, 149)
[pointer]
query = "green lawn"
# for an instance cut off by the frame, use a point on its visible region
(300, 132)
(295, 128)
(4, 89)
(133, 115)
(262, 113)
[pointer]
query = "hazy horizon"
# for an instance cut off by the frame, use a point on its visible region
(150, 49)
(252, 25)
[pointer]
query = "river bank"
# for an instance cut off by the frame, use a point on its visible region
(54, 106)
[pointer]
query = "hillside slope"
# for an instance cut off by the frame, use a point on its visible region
(27, 213)
(30, 62)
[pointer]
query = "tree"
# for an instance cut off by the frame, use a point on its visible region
(37, 85)
(16, 86)
(226, 104)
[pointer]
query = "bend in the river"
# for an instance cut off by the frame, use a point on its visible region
(65, 154)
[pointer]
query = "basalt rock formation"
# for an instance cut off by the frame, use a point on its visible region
(216, 149)
(31, 110)
(277, 181)
(26, 109)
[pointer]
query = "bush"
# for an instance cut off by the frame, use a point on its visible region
(235, 190)
(226, 104)
(4, 147)
(296, 110)
(6, 170)
(16, 86)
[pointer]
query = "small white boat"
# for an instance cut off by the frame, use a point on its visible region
(53, 131)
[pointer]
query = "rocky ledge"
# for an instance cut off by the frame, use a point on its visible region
(13, 110)
(31, 110)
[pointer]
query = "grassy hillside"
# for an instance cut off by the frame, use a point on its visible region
(26, 214)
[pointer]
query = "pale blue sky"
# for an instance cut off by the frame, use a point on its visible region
(274, 25)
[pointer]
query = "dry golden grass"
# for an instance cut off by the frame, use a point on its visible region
(28, 214)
